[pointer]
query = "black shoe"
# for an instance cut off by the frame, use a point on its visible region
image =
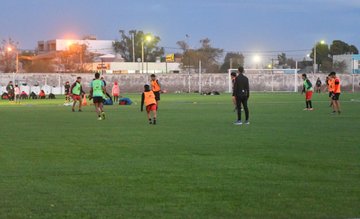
(80, 110)
(154, 122)
(339, 112)
(73, 110)
(150, 122)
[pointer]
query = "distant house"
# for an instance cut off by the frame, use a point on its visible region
(352, 62)
(93, 45)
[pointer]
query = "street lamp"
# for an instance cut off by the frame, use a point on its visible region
(9, 49)
(148, 39)
(256, 60)
(322, 42)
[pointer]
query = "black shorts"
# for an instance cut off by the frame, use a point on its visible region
(157, 95)
(330, 94)
(97, 99)
(336, 96)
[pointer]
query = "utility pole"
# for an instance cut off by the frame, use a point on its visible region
(133, 44)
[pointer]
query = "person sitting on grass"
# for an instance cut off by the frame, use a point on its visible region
(10, 91)
(308, 90)
(148, 98)
(42, 94)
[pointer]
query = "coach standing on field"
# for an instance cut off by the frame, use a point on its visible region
(241, 92)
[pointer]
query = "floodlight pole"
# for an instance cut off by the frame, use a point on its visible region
(133, 44)
(142, 56)
(17, 61)
(315, 58)
(272, 75)
(353, 75)
(200, 79)
(296, 78)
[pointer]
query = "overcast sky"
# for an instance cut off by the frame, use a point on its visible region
(234, 25)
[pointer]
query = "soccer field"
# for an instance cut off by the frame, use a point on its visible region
(288, 163)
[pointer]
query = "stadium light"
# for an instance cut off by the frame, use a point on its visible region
(256, 60)
(321, 42)
(10, 49)
(147, 38)
(69, 43)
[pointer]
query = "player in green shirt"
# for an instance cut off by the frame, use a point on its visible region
(77, 93)
(97, 91)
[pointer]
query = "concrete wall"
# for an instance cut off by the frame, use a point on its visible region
(180, 82)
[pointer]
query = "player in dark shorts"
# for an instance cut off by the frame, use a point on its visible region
(156, 88)
(97, 92)
(336, 93)
(67, 91)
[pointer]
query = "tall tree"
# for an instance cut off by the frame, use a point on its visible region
(234, 59)
(208, 55)
(282, 59)
(124, 46)
(322, 53)
(339, 47)
(74, 58)
(291, 63)
(353, 49)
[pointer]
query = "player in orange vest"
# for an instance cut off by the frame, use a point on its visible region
(330, 86)
(336, 93)
(148, 98)
(156, 88)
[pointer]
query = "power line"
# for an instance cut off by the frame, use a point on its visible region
(251, 51)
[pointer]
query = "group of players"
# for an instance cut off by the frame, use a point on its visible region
(150, 97)
(241, 93)
(334, 88)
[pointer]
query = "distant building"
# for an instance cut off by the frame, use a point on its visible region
(134, 67)
(105, 60)
(93, 45)
(352, 62)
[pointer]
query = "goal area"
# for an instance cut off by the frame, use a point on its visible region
(270, 80)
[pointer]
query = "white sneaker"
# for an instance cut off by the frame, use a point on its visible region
(238, 122)
(247, 123)
(100, 118)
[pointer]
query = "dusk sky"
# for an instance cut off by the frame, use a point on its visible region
(234, 25)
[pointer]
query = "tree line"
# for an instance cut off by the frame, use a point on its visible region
(133, 43)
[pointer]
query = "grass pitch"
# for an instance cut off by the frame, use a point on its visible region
(195, 163)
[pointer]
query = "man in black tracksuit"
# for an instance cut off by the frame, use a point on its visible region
(241, 92)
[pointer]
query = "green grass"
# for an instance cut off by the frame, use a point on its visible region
(194, 164)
